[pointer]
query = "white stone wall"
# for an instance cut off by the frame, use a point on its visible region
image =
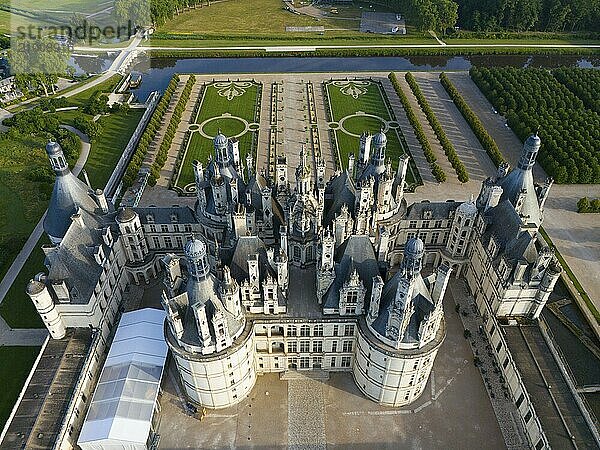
(391, 379)
(219, 382)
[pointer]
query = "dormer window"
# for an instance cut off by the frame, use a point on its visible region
(174, 218)
(149, 218)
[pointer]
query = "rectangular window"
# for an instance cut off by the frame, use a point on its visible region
(435, 236)
(292, 347)
(520, 400)
(347, 346)
(156, 242)
(348, 330)
(304, 346)
(334, 346)
(438, 224)
(317, 346)
(188, 228)
(412, 224)
(352, 298)
(317, 362)
(425, 224)
(168, 242)
(179, 241)
(291, 330)
(304, 330)
(335, 330)
(304, 362)
(318, 330)
(332, 364)
(164, 228)
(345, 361)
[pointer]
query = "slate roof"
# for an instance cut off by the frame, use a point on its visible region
(522, 180)
(355, 253)
(68, 194)
(73, 259)
(246, 246)
(339, 191)
(439, 210)
(421, 298)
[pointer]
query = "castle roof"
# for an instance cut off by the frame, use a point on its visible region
(69, 194)
(356, 252)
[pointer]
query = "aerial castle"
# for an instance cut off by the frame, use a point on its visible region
(270, 275)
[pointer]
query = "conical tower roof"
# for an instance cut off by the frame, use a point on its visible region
(69, 194)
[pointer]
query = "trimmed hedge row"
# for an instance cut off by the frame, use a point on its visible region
(436, 170)
(165, 145)
(585, 205)
(149, 133)
(449, 150)
(486, 141)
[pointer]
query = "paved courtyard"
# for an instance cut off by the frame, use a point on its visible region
(454, 412)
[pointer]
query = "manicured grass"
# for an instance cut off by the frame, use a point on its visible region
(15, 365)
(117, 129)
(105, 87)
(215, 103)
(22, 200)
(261, 17)
(17, 308)
(369, 101)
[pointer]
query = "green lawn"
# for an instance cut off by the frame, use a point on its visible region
(368, 99)
(117, 129)
(106, 86)
(17, 308)
(16, 363)
(22, 200)
(215, 103)
(261, 17)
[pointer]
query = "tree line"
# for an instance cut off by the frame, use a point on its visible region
(496, 15)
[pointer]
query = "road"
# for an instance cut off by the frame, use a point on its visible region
(8, 336)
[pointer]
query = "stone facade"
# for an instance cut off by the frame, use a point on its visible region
(268, 276)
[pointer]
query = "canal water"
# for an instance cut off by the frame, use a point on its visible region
(162, 69)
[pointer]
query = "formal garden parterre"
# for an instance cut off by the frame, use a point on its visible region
(233, 107)
(535, 100)
(356, 106)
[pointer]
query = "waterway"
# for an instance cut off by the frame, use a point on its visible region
(162, 69)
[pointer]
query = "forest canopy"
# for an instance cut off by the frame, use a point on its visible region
(502, 15)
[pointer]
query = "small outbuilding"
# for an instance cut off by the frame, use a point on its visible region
(124, 407)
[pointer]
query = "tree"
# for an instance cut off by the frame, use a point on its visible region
(447, 15)
(37, 63)
(583, 205)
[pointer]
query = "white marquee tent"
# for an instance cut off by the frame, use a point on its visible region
(120, 415)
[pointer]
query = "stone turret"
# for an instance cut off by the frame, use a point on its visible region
(42, 300)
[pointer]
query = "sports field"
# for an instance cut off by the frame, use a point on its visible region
(230, 106)
(358, 106)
